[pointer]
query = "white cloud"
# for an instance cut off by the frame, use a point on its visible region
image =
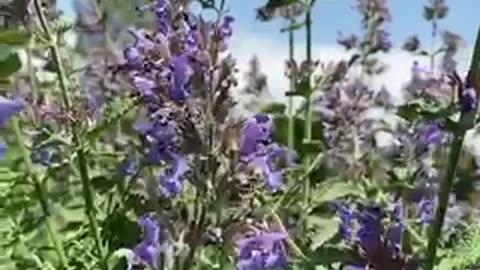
(272, 54)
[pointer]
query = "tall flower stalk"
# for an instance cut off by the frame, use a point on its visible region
(290, 109)
(77, 141)
(308, 99)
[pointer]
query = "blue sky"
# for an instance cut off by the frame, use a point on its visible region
(264, 40)
(333, 15)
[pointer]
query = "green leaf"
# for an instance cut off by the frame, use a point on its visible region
(14, 37)
(328, 255)
(7, 175)
(10, 65)
(335, 189)
(274, 107)
(302, 89)
(325, 227)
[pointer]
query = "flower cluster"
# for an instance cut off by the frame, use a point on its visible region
(378, 244)
(148, 251)
(163, 67)
(257, 148)
(8, 108)
(261, 250)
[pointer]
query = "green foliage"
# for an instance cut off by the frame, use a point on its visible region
(466, 253)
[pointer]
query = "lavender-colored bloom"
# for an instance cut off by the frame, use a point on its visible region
(142, 42)
(426, 211)
(381, 40)
(225, 30)
(133, 56)
(8, 108)
(273, 176)
(348, 42)
(161, 10)
(370, 229)
(144, 86)
(148, 250)
(256, 132)
(394, 238)
(129, 166)
(430, 134)
(264, 250)
(346, 219)
(180, 77)
(171, 180)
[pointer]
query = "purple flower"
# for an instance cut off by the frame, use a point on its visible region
(8, 107)
(129, 166)
(162, 17)
(133, 56)
(225, 30)
(265, 160)
(171, 180)
(346, 219)
(426, 211)
(264, 250)
(430, 134)
(144, 86)
(148, 250)
(370, 230)
(257, 131)
(180, 77)
(160, 134)
(394, 238)
(348, 42)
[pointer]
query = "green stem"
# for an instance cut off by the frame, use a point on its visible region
(41, 193)
(467, 121)
(81, 155)
(291, 115)
(308, 103)
(432, 44)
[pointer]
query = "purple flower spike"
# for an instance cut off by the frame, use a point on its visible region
(8, 108)
(148, 250)
(264, 250)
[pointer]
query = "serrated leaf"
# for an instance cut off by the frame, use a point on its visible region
(10, 65)
(14, 37)
(325, 229)
(335, 189)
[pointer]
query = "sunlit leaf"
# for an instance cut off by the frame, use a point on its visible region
(325, 228)
(14, 37)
